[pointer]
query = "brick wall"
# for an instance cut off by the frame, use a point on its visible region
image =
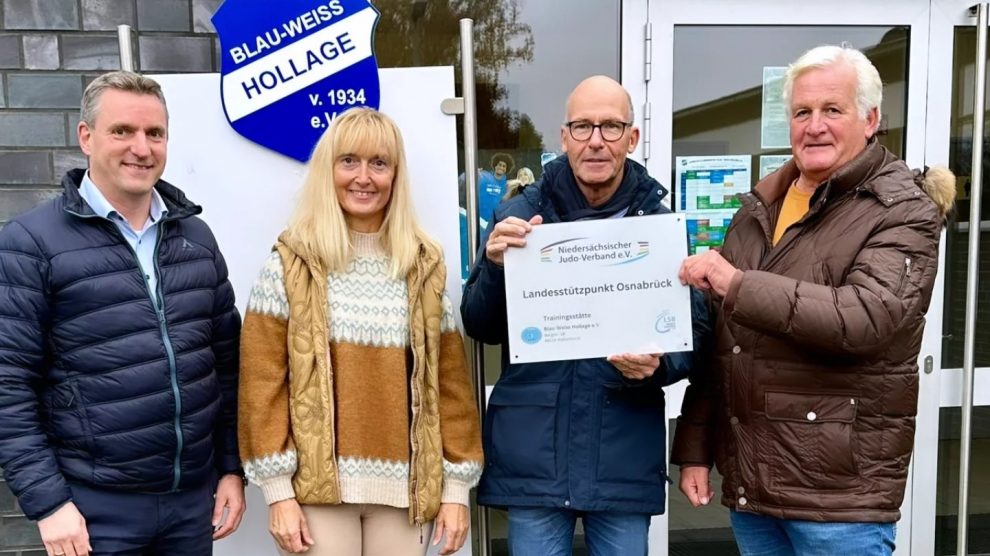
(49, 51)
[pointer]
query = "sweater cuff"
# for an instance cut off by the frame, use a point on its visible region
(455, 492)
(277, 488)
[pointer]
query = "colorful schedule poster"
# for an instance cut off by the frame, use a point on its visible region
(711, 182)
(706, 230)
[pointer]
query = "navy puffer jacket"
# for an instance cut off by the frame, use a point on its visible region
(97, 385)
(573, 434)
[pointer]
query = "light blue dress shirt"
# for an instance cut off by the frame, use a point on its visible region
(141, 241)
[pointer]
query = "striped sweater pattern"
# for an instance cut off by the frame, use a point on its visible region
(371, 361)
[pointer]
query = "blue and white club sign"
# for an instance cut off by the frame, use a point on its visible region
(290, 67)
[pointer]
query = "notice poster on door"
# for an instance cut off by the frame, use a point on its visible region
(711, 182)
(706, 230)
(770, 163)
(774, 129)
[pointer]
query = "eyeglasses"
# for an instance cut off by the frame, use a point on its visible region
(582, 130)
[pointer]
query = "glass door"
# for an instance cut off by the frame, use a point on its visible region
(714, 92)
(951, 108)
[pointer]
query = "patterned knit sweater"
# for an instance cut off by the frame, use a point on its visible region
(371, 363)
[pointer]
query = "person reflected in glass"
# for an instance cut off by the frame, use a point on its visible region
(515, 186)
(525, 176)
(492, 186)
(359, 421)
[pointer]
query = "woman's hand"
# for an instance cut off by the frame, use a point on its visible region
(287, 524)
(452, 519)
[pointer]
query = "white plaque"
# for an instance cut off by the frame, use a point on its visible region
(595, 288)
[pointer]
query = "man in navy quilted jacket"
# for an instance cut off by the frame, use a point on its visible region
(581, 439)
(118, 348)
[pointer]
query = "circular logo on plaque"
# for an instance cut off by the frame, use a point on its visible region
(532, 335)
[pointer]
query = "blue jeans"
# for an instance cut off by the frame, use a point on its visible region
(760, 535)
(550, 532)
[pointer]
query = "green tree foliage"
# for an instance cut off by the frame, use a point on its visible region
(427, 33)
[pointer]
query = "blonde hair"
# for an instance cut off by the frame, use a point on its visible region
(525, 176)
(319, 223)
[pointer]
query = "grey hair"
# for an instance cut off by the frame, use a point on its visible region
(121, 81)
(869, 87)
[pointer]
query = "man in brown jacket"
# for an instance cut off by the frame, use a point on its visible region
(820, 293)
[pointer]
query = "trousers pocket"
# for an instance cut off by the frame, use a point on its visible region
(812, 439)
(522, 426)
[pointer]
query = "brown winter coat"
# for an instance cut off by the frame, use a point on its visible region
(808, 410)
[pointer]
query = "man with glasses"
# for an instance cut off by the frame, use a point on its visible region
(585, 438)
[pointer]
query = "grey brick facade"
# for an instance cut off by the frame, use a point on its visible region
(49, 51)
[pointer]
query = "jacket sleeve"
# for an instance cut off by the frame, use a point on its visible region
(460, 428)
(266, 447)
(889, 282)
(28, 460)
(694, 434)
(483, 301)
(679, 365)
(226, 338)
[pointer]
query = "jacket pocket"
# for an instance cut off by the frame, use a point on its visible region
(631, 445)
(811, 440)
(69, 421)
(522, 427)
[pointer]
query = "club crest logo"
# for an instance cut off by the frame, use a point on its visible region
(289, 68)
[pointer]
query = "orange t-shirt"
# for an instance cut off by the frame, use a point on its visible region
(795, 206)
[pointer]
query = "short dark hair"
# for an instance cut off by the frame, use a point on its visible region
(127, 81)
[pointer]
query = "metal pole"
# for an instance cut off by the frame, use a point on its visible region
(972, 279)
(471, 196)
(126, 50)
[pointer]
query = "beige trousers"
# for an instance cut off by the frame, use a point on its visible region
(364, 530)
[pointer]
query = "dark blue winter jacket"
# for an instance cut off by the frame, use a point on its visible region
(572, 434)
(97, 385)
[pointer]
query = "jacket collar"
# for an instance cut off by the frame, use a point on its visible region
(175, 200)
(866, 164)
(557, 173)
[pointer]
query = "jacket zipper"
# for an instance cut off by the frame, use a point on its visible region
(173, 373)
(158, 304)
(905, 272)
(414, 452)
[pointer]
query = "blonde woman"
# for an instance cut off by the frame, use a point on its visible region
(525, 176)
(356, 413)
